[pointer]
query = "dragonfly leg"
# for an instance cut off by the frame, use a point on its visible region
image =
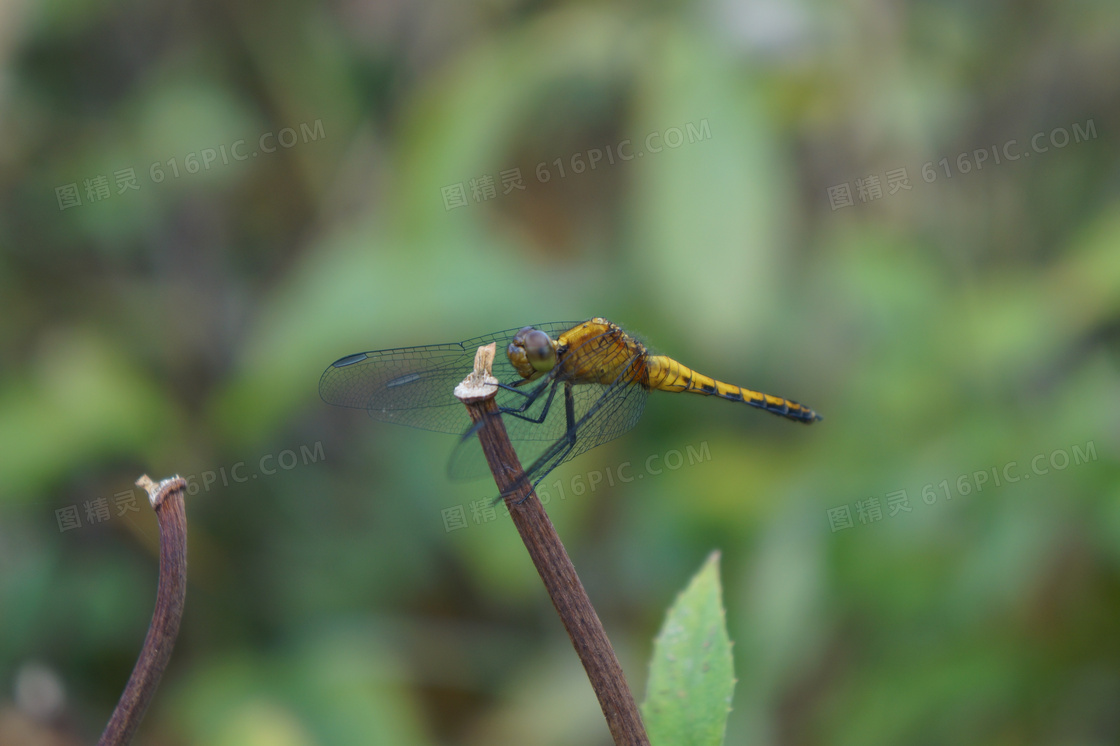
(529, 396)
(561, 449)
(516, 388)
(518, 411)
(520, 388)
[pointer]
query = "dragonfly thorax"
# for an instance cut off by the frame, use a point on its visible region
(532, 353)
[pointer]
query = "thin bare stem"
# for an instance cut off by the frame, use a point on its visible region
(550, 558)
(167, 500)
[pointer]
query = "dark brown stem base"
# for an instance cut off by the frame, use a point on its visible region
(167, 500)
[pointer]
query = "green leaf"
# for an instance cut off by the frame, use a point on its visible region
(691, 677)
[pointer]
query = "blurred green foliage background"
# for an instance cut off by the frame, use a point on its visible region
(964, 322)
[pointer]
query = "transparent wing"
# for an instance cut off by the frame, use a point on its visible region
(414, 385)
(601, 413)
(615, 411)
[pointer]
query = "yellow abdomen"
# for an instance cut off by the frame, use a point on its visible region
(666, 374)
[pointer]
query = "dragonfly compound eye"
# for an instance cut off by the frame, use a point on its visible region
(539, 348)
(532, 352)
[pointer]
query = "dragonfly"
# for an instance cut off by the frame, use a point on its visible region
(564, 388)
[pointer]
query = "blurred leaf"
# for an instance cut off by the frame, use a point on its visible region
(83, 400)
(713, 202)
(691, 679)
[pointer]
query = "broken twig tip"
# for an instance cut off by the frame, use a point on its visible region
(479, 383)
(157, 492)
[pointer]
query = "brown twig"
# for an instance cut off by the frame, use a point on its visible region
(167, 500)
(550, 558)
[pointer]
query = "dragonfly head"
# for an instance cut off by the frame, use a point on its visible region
(532, 353)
